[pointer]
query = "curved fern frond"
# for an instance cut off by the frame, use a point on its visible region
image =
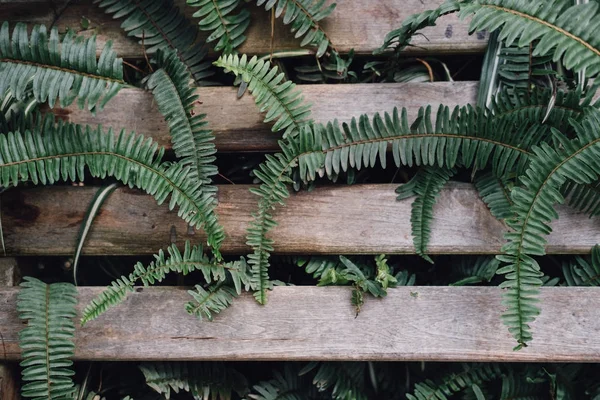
(160, 25)
(428, 183)
(560, 28)
(286, 386)
(495, 193)
(574, 160)
(209, 301)
(474, 270)
(585, 198)
(214, 380)
(304, 15)
(273, 94)
(226, 28)
(345, 380)
(456, 382)
(175, 97)
(47, 340)
(63, 152)
(583, 271)
(192, 259)
(55, 70)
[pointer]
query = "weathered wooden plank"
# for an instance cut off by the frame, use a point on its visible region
(238, 125)
(421, 323)
(329, 220)
(9, 387)
(361, 25)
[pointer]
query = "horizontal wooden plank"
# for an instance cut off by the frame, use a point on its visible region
(421, 323)
(238, 125)
(361, 25)
(361, 219)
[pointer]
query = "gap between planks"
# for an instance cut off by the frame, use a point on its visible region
(337, 219)
(419, 324)
(358, 25)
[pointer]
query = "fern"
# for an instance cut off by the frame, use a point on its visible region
(47, 340)
(495, 192)
(345, 380)
(585, 198)
(192, 259)
(427, 185)
(217, 17)
(304, 15)
(192, 142)
(534, 209)
(455, 382)
(63, 152)
(160, 25)
(286, 386)
(475, 270)
(212, 300)
(275, 96)
(54, 70)
(583, 272)
(205, 381)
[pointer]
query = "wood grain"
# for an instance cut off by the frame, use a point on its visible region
(329, 220)
(421, 323)
(361, 25)
(237, 123)
(9, 386)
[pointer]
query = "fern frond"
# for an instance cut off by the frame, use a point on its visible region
(160, 25)
(583, 271)
(585, 198)
(549, 169)
(473, 270)
(205, 381)
(226, 28)
(456, 382)
(304, 15)
(495, 193)
(63, 152)
(192, 259)
(561, 29)
(212, 300)
(175, 97)
(520, 71)
(47, 340)
(284, 386)
(428, 183)
(63, 71)
(273, 94)
(345, 380)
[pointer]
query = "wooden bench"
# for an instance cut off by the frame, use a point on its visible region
(421, 323)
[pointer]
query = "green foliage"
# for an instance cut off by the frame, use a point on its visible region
(304, 15)
(284, 386)
(226, 28)
(55, 70)
(455, 382)
(160, 25)
(273, 94)
(495, 192)
(474, 270)
(426, 186)
(205, 381)
(175, 97)
(192, 259)
(344, 380)
(533, 206)
(583, 271)
(210, 301)
(47, 340)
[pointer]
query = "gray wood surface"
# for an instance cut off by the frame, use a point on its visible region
(311, 323)
(9, 387)
(361, 25)
(329, 220)
(238, 125)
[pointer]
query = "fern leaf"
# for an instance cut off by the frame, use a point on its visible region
(534, 209)
(210, 301)
(474, 270)
(63, 71)
(273, 95)
(192, 142)
(192, 259)
(47, 340)
(345, 380)
(63, 152)
(214, 380)
(555, 24)
(304, 15)
(585, 198)
(455, 382)
(226, 28)
(495, 194)
(160, 25)
(583, 271)
(428, 184)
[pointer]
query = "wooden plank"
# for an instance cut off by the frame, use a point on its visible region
(421, 323)
(360, 219)
(361, 25)
(238, 125)
(9, 386)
